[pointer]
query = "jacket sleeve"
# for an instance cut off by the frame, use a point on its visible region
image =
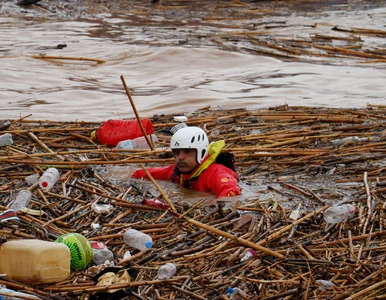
(161, 173)
(223, 181)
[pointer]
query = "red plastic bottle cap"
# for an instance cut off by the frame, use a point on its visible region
(44, 184)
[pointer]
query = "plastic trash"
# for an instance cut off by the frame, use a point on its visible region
(34, 261)
(295, 214)
(126, 255)
(6, 139)
(180, 118)
(166, 271)
(8, 215)
(100, 253)
(339, 142)
(8, 294)
(5, 125)
(102, 209)
(49, 178)
(337, 214)
(137, 239)
(112, 132)
(247, 255)
(155, 203)
(32, 179)
(324, 284)
(137, 143)
(234, 292)
(23, 198)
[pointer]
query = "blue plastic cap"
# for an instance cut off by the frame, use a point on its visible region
(149, 245)
(230, 290)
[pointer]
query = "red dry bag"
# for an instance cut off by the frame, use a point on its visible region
(112, 132)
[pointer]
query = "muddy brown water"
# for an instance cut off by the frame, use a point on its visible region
(173, 59)
(184, 55)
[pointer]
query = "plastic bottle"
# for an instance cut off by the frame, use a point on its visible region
(6, 139)
(49, 178)
(166, 271)
(137, 239)
(155, 203)
(337, 214)
(8, 294)
(234, 292)
(100, 253)
(35, 261)
(137, 143)
(23, 198)
(112, 132)
(248, 255)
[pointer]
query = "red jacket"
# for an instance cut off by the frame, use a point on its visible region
(217, 179)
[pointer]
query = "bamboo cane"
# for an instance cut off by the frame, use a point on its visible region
(136, 114)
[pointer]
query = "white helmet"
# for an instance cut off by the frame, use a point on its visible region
(191, 138)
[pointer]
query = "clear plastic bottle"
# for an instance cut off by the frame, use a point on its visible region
(49, 178)
(137, 143)
(137, 239)
(6, 139)
(248, 254)
(235, 292)
(166, 271)
(23, 198)
(337, 214)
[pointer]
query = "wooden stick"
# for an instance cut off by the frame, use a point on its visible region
(366, 290)
(41, 144)
(368, 201)
(277, 234)
(136, 114)
(68, 214)
(159, 188)
(232, 237)
(43, 56)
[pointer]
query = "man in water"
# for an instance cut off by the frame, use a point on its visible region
(195, 165)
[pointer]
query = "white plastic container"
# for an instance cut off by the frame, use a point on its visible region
(35, 261)
(337, 214)
(23, 198)
(137, 239)
(49, 178)
(137, 143)
(6, 139)
(166, 271)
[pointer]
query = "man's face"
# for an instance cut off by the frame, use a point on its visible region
(185, 159)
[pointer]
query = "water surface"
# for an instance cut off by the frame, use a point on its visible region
(180, 63)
